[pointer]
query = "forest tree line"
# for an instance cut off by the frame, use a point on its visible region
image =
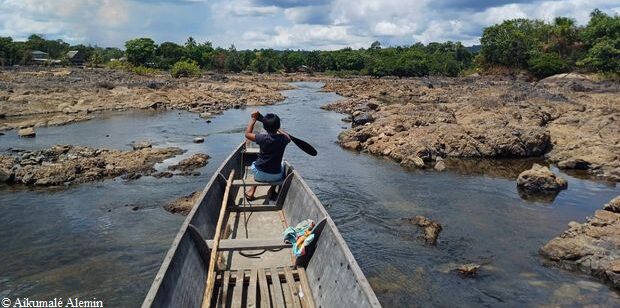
(535, 46)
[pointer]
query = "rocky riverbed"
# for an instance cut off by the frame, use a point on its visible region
(34, 97)
(571, 119)
(592, 247)
(68, 164)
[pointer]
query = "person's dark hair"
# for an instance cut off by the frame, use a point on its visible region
(271, 123)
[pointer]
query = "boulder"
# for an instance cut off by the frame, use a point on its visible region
(540, 179)
(413, 162)
(351, 145)
(592, 247)
(6, 166)
(182, 205)
(574, 163)
(431, 228)
(362, 119)
(193, 162)
(440, 165)
(613, 205)
(468, 270)
(27, 132)
(142, 145)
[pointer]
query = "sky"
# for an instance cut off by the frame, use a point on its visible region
(279, 24)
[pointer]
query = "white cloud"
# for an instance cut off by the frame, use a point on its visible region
(386, 28)
(326, 24)
(308, 37)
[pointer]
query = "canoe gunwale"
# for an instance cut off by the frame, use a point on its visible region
(357, 272)
(165, 266)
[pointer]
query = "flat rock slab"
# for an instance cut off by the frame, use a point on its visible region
(592, 247)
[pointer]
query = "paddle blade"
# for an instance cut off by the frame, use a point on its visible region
(304, 146)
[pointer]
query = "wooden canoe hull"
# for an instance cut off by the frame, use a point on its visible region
(333, 274)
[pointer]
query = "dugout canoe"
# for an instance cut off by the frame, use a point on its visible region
(253, 266)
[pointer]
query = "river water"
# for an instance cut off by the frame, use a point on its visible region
(106, 240)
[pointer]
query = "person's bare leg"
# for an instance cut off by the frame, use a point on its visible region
(250, 193)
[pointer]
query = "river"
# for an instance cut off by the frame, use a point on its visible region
(106, 240)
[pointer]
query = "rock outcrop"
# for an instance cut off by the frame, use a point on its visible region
(431, 228)
(573, 121)
(195, 161)
(27, 132)
(592, 247)
(183, 205)
(540, 180)
(36, 96)
(613, 205)
(68, 164)
(468, 270)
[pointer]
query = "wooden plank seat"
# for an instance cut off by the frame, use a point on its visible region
(251, 150)
(249, 244)
(263, 287)
(252, 182)
(254, 208)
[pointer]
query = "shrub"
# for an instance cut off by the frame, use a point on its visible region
(185, 68)
(145, 71)
(603, 57)
(546, 64)
(120, 65)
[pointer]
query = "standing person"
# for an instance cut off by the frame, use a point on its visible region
(268, 167)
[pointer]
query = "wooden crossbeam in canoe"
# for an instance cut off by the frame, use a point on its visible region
(248, 244)
(249, 150)
(251, 182)
(254, 208)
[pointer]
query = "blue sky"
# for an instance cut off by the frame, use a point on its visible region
(280, 24)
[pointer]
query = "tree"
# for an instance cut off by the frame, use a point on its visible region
(563, 37)
(511, 42)
(96, 58)
(168, 53)
(266, 61)
(6, 50)
(140, 51)
(233, 61)
(604, 56)
(602, 38)
(292, 61)
(376, 45)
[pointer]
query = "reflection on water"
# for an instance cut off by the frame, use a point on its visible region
(89, 241)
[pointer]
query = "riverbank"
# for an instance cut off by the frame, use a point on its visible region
(571, 119)
(37, 96)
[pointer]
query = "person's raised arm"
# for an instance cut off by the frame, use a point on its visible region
(281, 131)
(249, 130)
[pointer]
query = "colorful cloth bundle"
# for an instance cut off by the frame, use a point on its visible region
(299, 236)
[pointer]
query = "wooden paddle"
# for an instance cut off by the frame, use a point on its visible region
(304, 146)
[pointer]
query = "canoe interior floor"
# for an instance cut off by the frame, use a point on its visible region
(255, 225)
(263, 287)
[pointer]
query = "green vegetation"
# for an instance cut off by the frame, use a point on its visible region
(185, 68)
(545, 49)
(540, 48)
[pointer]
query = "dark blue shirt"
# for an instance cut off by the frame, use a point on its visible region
(271, 151)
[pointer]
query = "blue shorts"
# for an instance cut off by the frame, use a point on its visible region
(261, 176)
